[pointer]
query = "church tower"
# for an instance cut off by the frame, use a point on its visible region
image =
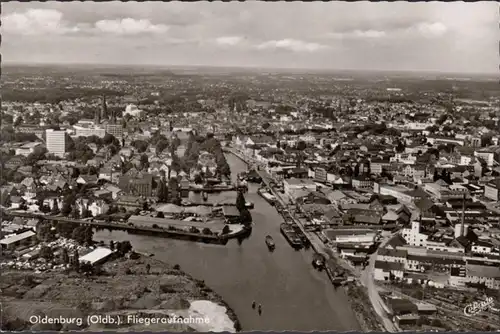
(104, 108)
(97, 117)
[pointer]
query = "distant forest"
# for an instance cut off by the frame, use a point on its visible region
(54, 95)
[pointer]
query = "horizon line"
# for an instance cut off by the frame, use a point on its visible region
(243, 67)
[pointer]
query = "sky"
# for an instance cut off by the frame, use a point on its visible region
(426, 36)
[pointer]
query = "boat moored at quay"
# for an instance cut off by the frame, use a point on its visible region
(271, 199)
(291, 236)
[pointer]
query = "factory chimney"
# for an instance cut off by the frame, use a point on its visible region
(462, 228)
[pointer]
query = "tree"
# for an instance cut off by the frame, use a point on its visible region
(86, 268)
(240, 201)
(123, 247)
(75, 213)
(88, 234)
(55, 209)
(144, 161)
(442, 119)
(356, 170)
(77, 235)
(301, 145)
(400, 147)
(161, 146)
(245, 216)
(162, 192)
(68, 202)
(176, 142)
(198, 179)
(110, 140)
(226, 229)
(112, 245)
(148, 268)
(37, 155)
(140, 145)
(173, 186)
(45, 209)
(19, 120)
(46, 253)
(160, 215)
(436, 175)
(368, 168)
(64, 256)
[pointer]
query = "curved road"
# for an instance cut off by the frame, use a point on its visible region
(293, 295)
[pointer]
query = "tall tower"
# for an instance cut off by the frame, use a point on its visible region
(97, 117)
(462, 227)
(104, 108)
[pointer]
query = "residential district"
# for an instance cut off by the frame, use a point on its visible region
(396, 189)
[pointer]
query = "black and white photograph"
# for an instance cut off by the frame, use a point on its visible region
(250, 166)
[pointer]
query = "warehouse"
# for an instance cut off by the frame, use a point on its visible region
(97, 256)
(13, 241)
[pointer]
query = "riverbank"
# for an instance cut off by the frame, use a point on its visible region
(126, 286)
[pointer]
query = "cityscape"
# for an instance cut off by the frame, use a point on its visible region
(248, 166)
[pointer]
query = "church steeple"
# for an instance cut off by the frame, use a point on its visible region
(104, 108)
(97, 117)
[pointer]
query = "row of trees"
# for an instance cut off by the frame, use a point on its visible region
(170, 192)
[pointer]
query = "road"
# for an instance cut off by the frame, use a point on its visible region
(377, 302)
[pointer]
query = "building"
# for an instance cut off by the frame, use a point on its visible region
(56, 142)
(491, 190)
(81, 131)
(35, 129)
(413, 235)
(142, 186)
(27, 149)
(482, 274)
(12, 241)
(320, 174)
(488, 157)
(402, 194)
(292, 185)
(115, 130)
(443, 192)
(362, 236)
(362, 182)
(97, 256)
(444, 140)
(384, 271)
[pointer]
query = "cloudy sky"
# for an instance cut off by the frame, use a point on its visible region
(446, 37)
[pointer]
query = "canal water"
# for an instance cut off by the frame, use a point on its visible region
(293, 295)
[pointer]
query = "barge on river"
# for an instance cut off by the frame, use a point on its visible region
(300, 234)
(291, 236)
(271, 199)
(270, 243)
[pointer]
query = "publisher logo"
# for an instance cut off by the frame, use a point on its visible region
(478, 307)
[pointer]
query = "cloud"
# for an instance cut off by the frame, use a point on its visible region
(37, 22)
(291, 45)
(129, 26)
(228, 40)
(358, 34)
(369, 33)
(435, 29)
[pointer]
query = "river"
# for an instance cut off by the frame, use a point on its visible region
(293, 295)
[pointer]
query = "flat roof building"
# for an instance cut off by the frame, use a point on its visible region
(56, 142)
(97, 256)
